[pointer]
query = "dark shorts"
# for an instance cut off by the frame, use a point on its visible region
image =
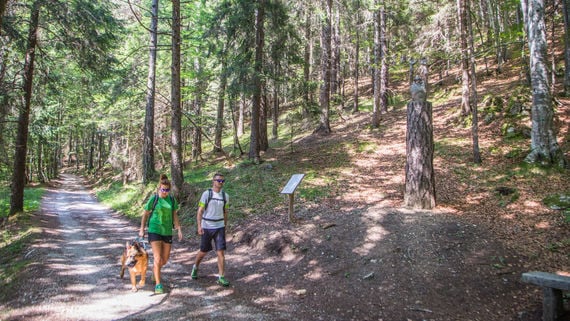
(217, 235)
(157, 237)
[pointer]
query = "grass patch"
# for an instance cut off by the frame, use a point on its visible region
(16, 236)
(126, 199)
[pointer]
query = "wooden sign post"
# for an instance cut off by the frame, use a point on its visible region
(289, 189)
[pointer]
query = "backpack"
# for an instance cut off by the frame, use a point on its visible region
(154, 202)
(210, 196)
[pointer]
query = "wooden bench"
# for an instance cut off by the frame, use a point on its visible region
(552, 287)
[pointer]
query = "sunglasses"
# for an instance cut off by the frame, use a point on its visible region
(165, 190)
(220, 180)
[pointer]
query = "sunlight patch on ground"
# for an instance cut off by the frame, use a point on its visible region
(532, 204)
(252, 277)
(374, 234)
(543, 225)
(315, 274)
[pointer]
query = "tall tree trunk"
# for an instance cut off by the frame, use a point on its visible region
(148, 132)
(263, 116)
(376, 69)
(475, 120)
(19, 173)
(544, 145)
(254, 147)
(197, 132)
(100, 150)
(176, 169)
(3, 4)
(325, 94)
(240, 116)
(566, 14)
(91, 159)
(355, 106)
(496, 21)
(220, 110)
(275, 113)
(307, 64)
(462, 16)
(525, 70)
(383, 63)
(335, 52)
(237, 145)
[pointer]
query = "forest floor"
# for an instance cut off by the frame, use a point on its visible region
(357, 255)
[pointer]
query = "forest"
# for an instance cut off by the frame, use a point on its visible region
(118, 92)
(143, 87)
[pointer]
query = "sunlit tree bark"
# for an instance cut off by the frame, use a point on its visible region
(176, 170)
(148, 131)
(254, 147)
(566, 15)
(544, 145)
(19, 172)
(325, 94)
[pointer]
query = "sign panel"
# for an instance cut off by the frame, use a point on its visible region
(292, 183)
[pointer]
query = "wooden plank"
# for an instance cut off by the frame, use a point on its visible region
(548, 280)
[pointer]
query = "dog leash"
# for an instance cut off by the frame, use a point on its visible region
(142, 242)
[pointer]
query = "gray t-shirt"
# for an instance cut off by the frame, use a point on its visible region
(213, 216)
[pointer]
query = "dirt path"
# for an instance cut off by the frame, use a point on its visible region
(76, 271)
(340, 263)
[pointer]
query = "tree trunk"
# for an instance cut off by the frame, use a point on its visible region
(263, 116)
(254, 147)
(148, 131)
(275, 113)
(462, 16)
(355, 106)
(335, 52)
(420, 176)
(544, 146)
(325, 95)
(566, 14)
(237, 145)
(19, 173)
(3, 4)
(525, 70)
(475, 120)
(176, 167)
(220, 110)
(91, 144)
(241, 115)
(376, 72)
(307, 64)
(496, 22)
(383, 63)
(197, 133)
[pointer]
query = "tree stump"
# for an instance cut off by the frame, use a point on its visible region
(420, 179)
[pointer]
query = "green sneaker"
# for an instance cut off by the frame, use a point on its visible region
(222, 281)
(158, 289)
(194, 273)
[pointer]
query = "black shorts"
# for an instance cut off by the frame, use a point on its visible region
(157, 237)
(219, 237)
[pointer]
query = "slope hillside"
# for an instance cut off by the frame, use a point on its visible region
(357, 254)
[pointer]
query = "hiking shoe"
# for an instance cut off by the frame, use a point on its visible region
(222, 281)
(194, 273)
(158, 289)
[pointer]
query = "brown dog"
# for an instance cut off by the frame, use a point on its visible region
(135, 259)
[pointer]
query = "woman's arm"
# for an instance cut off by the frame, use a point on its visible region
(144, 218)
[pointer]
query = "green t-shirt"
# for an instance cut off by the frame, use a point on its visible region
(161, 219)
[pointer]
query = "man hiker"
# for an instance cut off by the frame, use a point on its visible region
(212, 218)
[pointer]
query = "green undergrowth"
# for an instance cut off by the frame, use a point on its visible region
(16, 235)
